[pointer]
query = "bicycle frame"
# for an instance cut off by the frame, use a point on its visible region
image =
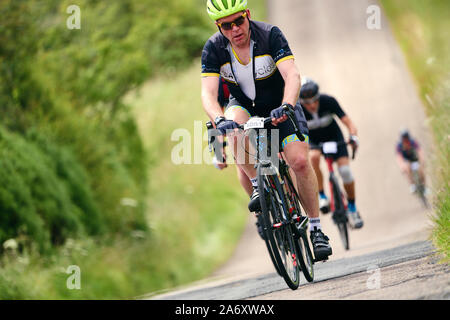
(329, 160)
(337, 206)
(288, 246)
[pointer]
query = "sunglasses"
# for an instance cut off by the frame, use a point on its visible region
(229, 25)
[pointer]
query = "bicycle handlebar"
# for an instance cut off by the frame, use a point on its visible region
(267, 120)
(290, 115)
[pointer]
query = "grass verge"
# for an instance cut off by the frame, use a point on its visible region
(423, 31)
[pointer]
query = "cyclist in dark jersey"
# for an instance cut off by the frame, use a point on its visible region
(320, 110)
(255, 60)
(408, 151)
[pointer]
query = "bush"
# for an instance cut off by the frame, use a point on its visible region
(44, 193)
(71, 173)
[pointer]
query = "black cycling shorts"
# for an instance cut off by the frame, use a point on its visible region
(341, 149)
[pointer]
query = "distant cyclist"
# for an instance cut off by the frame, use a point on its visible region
(319, 112)
(408, 151)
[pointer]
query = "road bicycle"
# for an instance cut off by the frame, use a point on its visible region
(338, 200)
(283, 222)
(219, 150)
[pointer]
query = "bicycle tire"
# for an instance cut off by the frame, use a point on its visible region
(281, 239)
(420, 189)
(424, 200)
(305, 257)
(304, 254)
(340, 209)
(268, 245)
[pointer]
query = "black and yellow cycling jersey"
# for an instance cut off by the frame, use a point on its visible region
(270, 47)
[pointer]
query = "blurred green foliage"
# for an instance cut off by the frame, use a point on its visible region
(44, 194)
(423, 31)
(70, 148)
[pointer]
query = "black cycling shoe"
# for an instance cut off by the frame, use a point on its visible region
(321, 247)
(355, 220)
(254, 204)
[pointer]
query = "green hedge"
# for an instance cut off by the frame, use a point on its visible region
(73, 160)
(45, 193)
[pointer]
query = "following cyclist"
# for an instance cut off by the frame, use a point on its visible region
(319, 111)
(255, 60)
(408, 151)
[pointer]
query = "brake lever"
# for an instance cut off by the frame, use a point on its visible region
(210, 127)
(353, 151)
(290, 113)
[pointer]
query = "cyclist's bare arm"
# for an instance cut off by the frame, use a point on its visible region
(402, 163)
(421, 156)
(350, 125)
(291, 76)
(210, 89)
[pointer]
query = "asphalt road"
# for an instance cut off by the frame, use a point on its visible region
(365, 71)
(258, 287)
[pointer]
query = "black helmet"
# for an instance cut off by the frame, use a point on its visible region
(404, 134)
(309, 89)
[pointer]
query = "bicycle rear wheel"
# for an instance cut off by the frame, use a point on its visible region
(340, 216)
(278, 231)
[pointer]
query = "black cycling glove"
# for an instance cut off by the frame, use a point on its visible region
(225, 125)
(280, 111)
(354, 141)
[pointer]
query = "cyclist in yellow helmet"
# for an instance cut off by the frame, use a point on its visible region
(255, 60)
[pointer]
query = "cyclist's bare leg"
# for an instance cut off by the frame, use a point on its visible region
(244, 180)
(235, 140)
(408, 173)
(297, 156)
(315, 161)
(349, 187)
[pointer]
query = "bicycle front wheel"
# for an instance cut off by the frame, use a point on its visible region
(340, 216)
(278, 231)
(305, 257)
(420, 189)
(304, 254)
(268, 245)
